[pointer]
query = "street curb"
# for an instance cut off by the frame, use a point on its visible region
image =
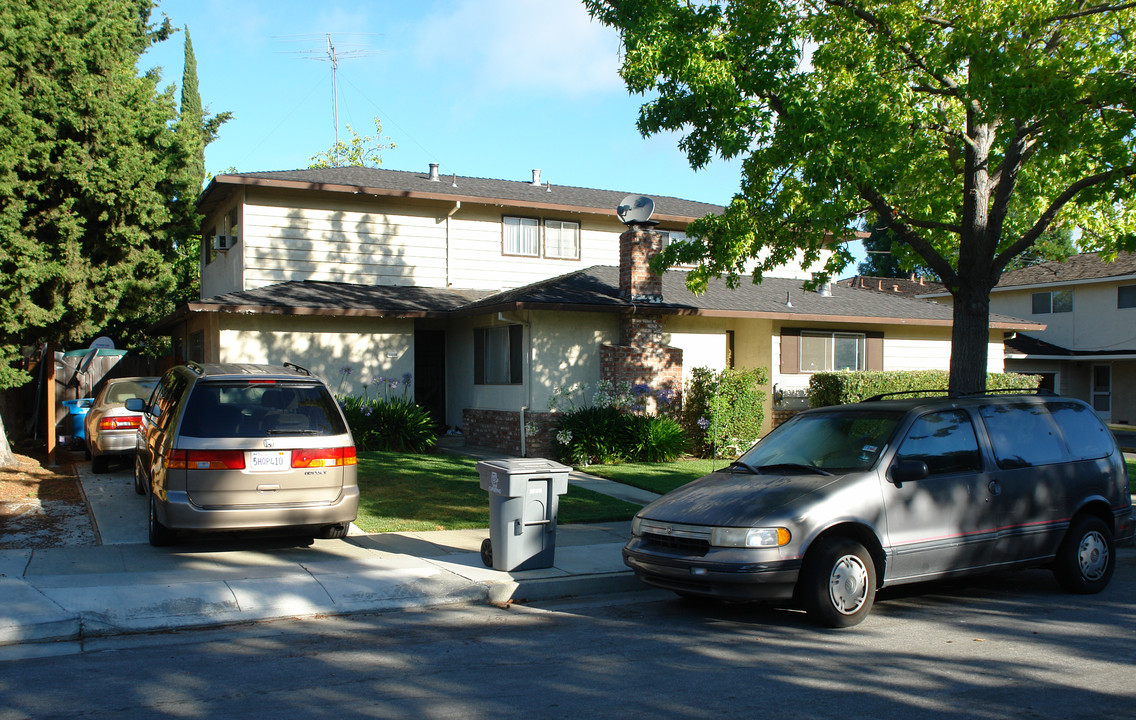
(67, 625)
(556, 588)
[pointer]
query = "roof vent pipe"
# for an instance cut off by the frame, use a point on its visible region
(536, 177)
(433, 172)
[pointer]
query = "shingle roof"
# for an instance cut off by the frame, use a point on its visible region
(597, 288)
(1022, 344)
(892, 286)
(1087, 266)
(346, 298)
(419, 184)
(594, 289)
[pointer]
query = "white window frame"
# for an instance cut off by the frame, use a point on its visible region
(554, 231)
(829, 349)
(520, 236)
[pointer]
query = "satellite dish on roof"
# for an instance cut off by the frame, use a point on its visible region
(635, 210)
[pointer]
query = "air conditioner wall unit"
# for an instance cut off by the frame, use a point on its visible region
(220, 242)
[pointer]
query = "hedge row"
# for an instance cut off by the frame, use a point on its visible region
(842, 388)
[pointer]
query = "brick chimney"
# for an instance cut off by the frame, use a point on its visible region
(637, 245)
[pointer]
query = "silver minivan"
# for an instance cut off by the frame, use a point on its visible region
(841, 501)
(240, 447)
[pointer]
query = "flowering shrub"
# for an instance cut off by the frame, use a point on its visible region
(389, 421)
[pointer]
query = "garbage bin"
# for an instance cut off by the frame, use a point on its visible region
(77, 410)
(524, 495)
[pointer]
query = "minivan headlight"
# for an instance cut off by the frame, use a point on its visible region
(635, 521)
(750, 537)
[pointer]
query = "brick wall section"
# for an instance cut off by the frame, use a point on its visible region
(637, 245)
(501, 430)
(780, 416)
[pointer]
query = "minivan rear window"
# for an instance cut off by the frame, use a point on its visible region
(244, 409)
(1085, 434)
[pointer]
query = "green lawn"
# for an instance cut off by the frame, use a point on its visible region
(656, 477)
(1131, 475)
(404, 492)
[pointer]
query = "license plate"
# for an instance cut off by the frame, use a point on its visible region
(269, 460)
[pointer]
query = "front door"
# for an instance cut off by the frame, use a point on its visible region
(430, 373)
(1102, 391)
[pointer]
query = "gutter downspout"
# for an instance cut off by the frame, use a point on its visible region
(450, 214)
(527, 373)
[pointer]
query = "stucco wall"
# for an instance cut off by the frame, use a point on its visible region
(1094, 324)
(370, 348)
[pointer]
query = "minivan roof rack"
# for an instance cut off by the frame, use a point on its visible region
(297, 368)
(1010, 391)
(195, 366)
(881, 396)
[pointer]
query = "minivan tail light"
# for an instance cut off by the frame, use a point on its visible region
(206, 460)
(324, 457)
(132, 422)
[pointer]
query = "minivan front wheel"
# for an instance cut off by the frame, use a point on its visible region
(160, 535)
(1087, 557)
(838, 583)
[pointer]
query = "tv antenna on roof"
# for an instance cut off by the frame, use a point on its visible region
(330, 54)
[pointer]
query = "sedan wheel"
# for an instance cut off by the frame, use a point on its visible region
(838, 583)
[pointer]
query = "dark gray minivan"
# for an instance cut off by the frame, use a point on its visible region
(840, 501)
(241, 447)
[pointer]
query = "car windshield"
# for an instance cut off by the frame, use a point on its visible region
(823, 442)
(240, 409)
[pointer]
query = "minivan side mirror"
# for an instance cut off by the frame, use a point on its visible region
(909, 471)
(136, 404)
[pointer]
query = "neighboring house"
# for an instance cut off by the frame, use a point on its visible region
(1088, 347)
(493, 293)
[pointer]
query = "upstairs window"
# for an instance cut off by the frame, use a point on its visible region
(561, 240)
(1057, 301)
(522, 236)
(1126, 297)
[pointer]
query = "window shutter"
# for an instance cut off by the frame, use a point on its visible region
(874, 351)
(479, 356)
(790, 351)
(516, 354)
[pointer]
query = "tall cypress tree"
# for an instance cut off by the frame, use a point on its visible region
(87, 223)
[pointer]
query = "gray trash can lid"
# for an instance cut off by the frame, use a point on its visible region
(523, 466)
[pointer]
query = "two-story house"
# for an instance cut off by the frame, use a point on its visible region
(492, 293)
(1088, 347)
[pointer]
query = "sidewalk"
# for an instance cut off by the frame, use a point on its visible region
(125, 585)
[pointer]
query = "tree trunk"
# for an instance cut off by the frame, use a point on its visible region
(970, 337)
(7, 459)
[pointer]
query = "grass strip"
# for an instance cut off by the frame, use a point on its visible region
(401, 492)
(657, 477)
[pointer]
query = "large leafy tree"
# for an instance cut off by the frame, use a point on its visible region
(86, 156)
(359, 151)
(970, 127)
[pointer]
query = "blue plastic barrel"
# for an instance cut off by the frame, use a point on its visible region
(78, 410)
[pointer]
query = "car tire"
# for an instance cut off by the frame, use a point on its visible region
(333, 532)
(139, 485)
(1086, 558)
(837, 585)
(100, 463)
(160, 535)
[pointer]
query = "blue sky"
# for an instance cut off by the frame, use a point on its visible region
(486, 88)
